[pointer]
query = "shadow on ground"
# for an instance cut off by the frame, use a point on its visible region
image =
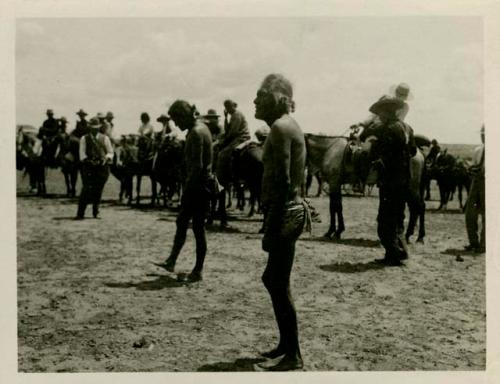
(367, 243)
(239, 365)
(352, 268)
(161, 282)
(460, 252)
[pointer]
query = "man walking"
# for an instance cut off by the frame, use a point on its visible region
(96, 153)
(198, 164)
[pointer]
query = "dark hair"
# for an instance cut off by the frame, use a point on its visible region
(182, 107)
(282, 90)
(230, 102)
(145, 116)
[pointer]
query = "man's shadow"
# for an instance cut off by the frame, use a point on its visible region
(239, 365)
(352, 268)
(161, 282)
(365, 243)
(459, 252)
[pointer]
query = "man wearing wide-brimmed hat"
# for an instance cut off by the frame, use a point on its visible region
(96, 153)
(392, 151)
(81, 128)
(212, 121)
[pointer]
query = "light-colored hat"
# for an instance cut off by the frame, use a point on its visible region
(94, 122)
(81, 112)
(402, 91)
(100, 115)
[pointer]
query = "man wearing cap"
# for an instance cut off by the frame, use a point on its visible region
(476, 202)
(81, 128)
(198, 165)
(96, 153)
(392, 151)
(235, 133)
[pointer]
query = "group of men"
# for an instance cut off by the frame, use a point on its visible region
(284, 160)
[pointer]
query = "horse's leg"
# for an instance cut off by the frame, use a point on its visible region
(320, 183)
(74, 179)
(67, 182)
(340, 215)
(138, 189)
(252, 203)
(153, 190)
(421, 225)
(412, 222)
(333, 218)
(229, 194)
(222, 209)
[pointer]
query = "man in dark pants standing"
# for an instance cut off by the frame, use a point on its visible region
(96, 153)
(392, 151)
(198, 162)
(476, 202)
(284, 162)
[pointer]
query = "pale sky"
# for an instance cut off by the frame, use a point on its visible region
(338, 66)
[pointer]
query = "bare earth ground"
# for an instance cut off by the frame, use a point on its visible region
(87, 292)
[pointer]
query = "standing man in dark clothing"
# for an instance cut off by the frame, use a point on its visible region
(392, 151)
(198, 163)
(96, 153)
(284, 162)
(50, 127)
(476, 202)
(81, 128)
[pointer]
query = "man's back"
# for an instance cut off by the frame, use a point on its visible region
(198, 154)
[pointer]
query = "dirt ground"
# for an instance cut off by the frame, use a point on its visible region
(90, 300)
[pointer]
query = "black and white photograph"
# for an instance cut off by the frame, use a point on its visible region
(241, 193)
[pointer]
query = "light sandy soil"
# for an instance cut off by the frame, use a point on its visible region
(87, 292)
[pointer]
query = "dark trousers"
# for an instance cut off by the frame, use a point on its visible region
(390, 220)
(194, 208)
(94, 178)
(276, 279)
(475, 206)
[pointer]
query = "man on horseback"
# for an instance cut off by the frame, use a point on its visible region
(96, 153)
(198, 163)
(81, 128)
(235, 133)
(392, 152)
(48, 133)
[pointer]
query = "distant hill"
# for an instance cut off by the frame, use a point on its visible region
(462, 150)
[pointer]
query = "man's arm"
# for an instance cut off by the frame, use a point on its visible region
(109, 148)
(83, 148)
(281, 147)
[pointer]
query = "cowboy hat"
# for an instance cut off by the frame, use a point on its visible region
(49, 112)
(63, 119)
(211, 113)
(100, 115)
(388, 105)
(81, 112)
(162, 118)
(94, 123)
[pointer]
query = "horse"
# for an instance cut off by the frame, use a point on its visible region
(29, 157)
(248, 169)
(443, 170)
(69, 160)
(168, 167)
(329, 155)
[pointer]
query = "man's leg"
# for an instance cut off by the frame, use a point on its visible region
(182, 223)
(388, 218)
(471, 214)
(200, 237)
(276, 279)
(85, 193)
(102, 174)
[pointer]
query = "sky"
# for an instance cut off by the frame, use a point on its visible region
(338, 66)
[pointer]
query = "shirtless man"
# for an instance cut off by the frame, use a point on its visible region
(284, 161)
